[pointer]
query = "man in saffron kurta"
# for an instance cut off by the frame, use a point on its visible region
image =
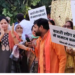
(51, 56)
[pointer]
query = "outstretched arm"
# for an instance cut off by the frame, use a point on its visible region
(25, 48)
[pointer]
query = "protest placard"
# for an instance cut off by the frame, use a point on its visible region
(37, 13)
(62, 36)
(73, 10)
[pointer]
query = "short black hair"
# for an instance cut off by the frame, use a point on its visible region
(53, 23)
(20, 16)
(43, 22)
(71, 23)
(3, 17)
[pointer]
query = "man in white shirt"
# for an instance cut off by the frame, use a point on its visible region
(25, 24)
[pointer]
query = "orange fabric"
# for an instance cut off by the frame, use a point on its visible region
(56, 53)
(45, 55)
(47, 52)
(11, 41)
(41, 59)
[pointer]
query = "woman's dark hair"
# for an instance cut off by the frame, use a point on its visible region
(43, 22)
(71, 23)
(3, 17)
(53, 23)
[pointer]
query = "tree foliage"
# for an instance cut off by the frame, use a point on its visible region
(12, 7)
(45, 2)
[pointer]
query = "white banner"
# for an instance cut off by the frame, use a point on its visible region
(62, 36)
(73, 10)
(37, 13)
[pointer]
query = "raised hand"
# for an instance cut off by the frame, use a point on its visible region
(2, 32)
(19, 34)
(12, 30)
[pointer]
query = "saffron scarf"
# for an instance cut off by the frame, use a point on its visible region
(11, 41)
(46, 53)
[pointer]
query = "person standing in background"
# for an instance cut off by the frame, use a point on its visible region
(25, 24)
(23, 61)
(33, 60)
(7, 42)
(70, 65)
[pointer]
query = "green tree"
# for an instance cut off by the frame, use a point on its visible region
(47, 3)
(12, 7)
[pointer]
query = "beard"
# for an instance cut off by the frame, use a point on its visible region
(38, 33)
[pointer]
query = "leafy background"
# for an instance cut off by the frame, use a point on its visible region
(12, 7)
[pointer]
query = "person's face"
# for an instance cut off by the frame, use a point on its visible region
(4, 24)
(33, 31)
(37, 30)
(19, 29)
(67, 25)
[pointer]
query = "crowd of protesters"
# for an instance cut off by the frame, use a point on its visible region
(27, 48)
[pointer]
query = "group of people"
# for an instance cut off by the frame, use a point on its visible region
(27, 48)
